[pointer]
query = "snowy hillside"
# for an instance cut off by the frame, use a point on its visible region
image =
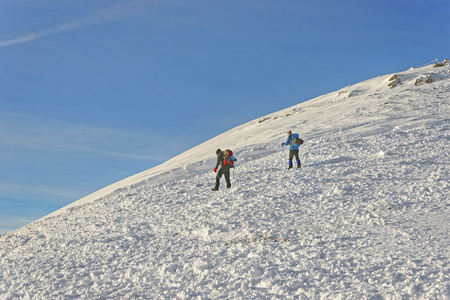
(367, 217)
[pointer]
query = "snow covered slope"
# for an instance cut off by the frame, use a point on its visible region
(367, 217)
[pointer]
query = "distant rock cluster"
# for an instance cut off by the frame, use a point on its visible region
(425, 78)
(442, 64)
(395, 79)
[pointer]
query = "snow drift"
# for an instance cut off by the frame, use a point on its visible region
(365, 218)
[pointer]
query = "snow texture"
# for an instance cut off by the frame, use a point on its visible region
(367, 217)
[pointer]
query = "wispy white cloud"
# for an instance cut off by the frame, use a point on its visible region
(8, 223)
(37, 192)
(109, 14)
(20, 132)
(48, 143)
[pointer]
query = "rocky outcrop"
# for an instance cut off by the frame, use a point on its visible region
(425, 78)
(394, 81)
(442, 64)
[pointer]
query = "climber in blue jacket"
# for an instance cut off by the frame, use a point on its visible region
(294, 142)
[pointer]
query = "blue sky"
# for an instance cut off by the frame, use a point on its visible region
(92, 92)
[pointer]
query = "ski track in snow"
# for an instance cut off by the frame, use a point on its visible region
(367, 217)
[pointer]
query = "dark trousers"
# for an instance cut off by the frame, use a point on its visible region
(293, 153)
(223, 171)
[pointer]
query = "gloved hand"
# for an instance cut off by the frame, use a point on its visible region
(282, 144)
(215, 170)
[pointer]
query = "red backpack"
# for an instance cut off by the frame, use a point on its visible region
(228, 158)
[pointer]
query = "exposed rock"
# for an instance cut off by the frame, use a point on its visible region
(354, 93)
(393, 77)
(425, 78)
(429, 79)
(438, 64)
(394, 81)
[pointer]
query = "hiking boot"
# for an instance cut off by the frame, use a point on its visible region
(215, 189)
(299, 166)
(290, 167)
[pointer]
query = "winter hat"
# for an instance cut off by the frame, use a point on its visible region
(289, 132)
(218, 151)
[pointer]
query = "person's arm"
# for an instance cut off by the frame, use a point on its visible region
(219, 158)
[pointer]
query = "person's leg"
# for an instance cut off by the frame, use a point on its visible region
(219, 174)
(299, 165)
(227, 177)
(291, 156)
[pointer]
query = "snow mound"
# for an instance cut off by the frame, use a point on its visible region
(365, 218)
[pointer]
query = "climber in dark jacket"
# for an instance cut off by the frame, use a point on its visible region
(293, 149)
(225, 167)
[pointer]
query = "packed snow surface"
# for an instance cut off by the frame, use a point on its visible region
(366, 217)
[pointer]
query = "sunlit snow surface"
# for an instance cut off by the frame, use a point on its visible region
(367, 217)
